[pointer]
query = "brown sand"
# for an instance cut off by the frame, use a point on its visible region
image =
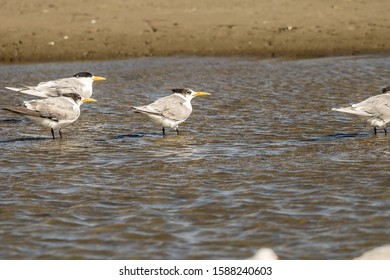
(64, 30)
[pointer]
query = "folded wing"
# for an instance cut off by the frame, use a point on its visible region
(52, 88)
(56, 109)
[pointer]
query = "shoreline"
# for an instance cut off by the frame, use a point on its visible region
(72, 31)
(280, 58)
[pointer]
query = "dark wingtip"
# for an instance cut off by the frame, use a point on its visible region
(15, 109)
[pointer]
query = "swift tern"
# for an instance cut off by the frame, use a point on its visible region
(376, 109)
(80, 83)
(171, 110)
(53, 112)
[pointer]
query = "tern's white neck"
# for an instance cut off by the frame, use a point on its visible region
(186, 97)
(87, 82)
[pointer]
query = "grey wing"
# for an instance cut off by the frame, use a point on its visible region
(59, 87)
(58, 108)
(54, 88)
(32, 91)
(376, 105)
(172, 107)
(21, 110)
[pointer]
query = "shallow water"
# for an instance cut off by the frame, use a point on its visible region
(263, 162)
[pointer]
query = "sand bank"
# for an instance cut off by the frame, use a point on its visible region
(66, 30)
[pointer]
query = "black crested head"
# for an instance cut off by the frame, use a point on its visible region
(83, 75)
(74, 96)
(182, 90)
(386, 89)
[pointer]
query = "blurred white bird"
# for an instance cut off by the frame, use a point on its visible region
(264, 254)
(375, 109)
(378, 253)
(171, 110)
(53, 112)
(80, 83)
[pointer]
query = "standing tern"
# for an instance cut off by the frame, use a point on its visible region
(376, 109)
(80, 83)
(53, 112)
(171, 110)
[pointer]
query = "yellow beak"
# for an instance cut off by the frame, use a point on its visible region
(87, 100)
(97, 78)
(200, 93)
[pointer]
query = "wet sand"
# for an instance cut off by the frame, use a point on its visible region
(66, 30)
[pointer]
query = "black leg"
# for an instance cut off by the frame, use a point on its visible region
(374, 130)
(52, 133)
(177, 130)
(384, 129)
(163, 130)
(59, 131)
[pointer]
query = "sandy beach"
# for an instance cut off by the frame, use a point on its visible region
(42, 30)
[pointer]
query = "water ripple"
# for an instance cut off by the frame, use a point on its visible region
(261, 162)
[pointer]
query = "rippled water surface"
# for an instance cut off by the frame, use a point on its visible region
(262, 162)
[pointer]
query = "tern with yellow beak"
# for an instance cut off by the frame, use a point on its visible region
(53, 112)
(171, 110)
(80, 83)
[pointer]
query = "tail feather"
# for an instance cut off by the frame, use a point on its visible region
(15, 88)
(145, 111)
(21, 110)
(27, 90)
(353, 111)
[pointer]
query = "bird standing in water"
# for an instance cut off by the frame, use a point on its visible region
(53, 112)
(171, 110)
(376, 109)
